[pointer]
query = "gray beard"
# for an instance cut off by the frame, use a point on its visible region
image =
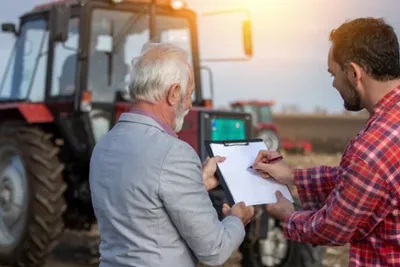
(180, 117)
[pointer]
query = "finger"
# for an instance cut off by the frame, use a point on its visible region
(261, 154)
(219, 159)
(251, 211)
(273, 154)
(261, 166)
(225, 209)
(265, 155)
(270, 208)
(279, 195)
(265, 175)
(241, 204)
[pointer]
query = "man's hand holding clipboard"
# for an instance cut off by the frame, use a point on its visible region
(270, 164)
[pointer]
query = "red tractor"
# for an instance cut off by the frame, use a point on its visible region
(264, 127)
(63, 89)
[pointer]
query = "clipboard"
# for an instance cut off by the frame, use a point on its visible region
(255, 181)
(224, 186)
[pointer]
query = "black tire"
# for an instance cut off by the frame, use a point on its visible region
(297, 254)
(46, 204)
(304, 255)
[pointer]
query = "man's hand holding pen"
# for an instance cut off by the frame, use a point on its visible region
(270, 164)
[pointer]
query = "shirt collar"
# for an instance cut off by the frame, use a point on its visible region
(387, 101)
(165, 126)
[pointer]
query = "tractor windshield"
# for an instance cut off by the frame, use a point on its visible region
(265, 114)
(252, 109)
(117, 38)
(26, 71)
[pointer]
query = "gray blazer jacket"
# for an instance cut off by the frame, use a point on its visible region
(150, 201)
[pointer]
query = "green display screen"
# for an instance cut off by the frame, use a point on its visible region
(227, 129)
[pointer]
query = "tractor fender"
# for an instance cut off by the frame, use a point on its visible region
(29, 112)
(267, 126)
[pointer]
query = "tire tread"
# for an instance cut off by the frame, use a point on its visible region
(44, 169)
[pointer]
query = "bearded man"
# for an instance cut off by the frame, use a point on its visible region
(148, 188)
(356, 202)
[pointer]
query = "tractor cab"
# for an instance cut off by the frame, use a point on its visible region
(74, 57)
(260, 110)
(263, 125)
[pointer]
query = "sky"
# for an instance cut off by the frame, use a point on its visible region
(290, 39)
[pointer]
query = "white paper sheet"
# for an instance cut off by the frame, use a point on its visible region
(243, 183)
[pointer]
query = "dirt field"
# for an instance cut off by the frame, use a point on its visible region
(74, 249)
(327, 134)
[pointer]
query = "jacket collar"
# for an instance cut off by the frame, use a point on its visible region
(142, 117)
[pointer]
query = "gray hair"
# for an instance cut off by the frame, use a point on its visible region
(159, 66)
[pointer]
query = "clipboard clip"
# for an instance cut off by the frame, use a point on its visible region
(244, 143)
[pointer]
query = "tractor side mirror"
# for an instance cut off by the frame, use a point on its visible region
(59, 20)
(247, 38)
(9, 27)
(246, 35)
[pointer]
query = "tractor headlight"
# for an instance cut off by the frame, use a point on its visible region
(178, 4)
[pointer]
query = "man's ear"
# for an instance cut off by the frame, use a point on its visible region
(174, 94)
(354, 72)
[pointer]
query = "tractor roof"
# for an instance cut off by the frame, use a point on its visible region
(56, 2)
(72, 2)
(253, 103)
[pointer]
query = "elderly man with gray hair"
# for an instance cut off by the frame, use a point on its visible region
(149, 189)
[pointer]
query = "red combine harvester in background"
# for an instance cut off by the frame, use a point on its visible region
(64, 87)
(264, 127)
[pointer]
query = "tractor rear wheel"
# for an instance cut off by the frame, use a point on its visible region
(31, 196)
(277, 251)
(266, 246)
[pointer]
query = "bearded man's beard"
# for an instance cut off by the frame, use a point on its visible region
(351, 98)
(180, 117)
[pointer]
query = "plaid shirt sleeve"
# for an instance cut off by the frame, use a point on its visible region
(314, 185)
(359, 202)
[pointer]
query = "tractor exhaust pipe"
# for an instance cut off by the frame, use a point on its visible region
(153, 22)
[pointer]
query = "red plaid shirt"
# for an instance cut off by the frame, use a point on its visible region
(356, 202)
